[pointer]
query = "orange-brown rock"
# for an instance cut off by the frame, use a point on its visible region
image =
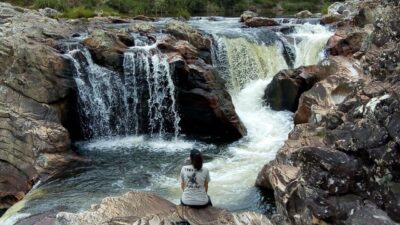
(147, 208)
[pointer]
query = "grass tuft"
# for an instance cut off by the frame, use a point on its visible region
(79, 12)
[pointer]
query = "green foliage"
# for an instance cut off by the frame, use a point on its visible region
(325, 6)
(55, 4)
(183, 8)
(79, 12)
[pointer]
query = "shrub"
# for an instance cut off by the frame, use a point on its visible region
(79, 12)
(60, 5)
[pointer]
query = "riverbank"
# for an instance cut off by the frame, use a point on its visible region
(178, 8)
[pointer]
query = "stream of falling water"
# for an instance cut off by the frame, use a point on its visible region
(142, 101)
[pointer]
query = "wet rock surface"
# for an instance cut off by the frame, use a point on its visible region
(260, 22)
(35, 82)
(204, 104)
(147, 208)
(340, 163)
(251, 19)
(285, 89)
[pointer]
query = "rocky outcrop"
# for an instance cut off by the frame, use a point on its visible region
(286, 87)
(205, 106)
(341, 75)
(340, 163)
(147, 208)
(251, 19)
(346, 42)
(303, 14)
(260, 22)
(35, 84)
(247, 15)
(183, 31)
(106, 49)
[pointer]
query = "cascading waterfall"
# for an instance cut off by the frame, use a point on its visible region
(311, 40)
(242, 56)
(100, 97)
(251, 61)
(142, 100)
(140, 65)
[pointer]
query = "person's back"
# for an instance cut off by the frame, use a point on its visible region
(194, 182)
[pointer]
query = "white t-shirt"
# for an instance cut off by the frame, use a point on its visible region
(194, 193)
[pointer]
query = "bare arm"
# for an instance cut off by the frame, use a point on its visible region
(183, 186)
(206, 185)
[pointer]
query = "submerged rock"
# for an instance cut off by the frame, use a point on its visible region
(147, 208)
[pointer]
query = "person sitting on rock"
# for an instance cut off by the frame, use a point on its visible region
(194, 182)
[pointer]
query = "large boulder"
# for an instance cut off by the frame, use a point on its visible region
(106, 49)
(346, 44)
(204, 104)
(247, 15)
(303, 14)
(182, 30)
(147, 208)
(260, 22)
(328, 92)
(286, 87)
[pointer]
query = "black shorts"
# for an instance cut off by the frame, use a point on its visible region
(209, 203)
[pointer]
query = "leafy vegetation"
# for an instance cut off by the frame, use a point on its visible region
(184, 8)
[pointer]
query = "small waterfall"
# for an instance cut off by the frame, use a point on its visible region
(311, 40)
(241, 61)
(141, 68)
(141, 100)
(242, 56)
(100, 97)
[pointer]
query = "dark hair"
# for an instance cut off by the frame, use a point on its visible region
(197, 159)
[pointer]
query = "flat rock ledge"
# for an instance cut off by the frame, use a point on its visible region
(148, 208)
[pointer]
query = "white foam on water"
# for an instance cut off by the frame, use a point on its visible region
(143, 142)
(233, 175)
(313, 39)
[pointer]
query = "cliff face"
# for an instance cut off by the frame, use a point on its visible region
(34, 87)
(341, 162)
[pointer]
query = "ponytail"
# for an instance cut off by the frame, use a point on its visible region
(196, 159)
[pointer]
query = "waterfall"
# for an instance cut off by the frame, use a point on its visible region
(100, 97)
(311, 40)
(154, 72)
(242, 56)
(141, 100)
(241, 61)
